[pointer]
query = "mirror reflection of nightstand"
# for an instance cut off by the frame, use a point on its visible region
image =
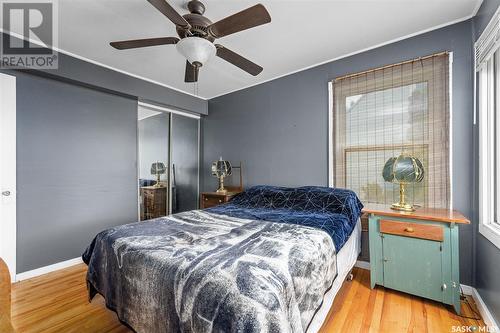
(154, 201)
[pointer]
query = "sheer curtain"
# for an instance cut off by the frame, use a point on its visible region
(381, 113)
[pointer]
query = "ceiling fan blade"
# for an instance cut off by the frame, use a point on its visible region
(170, 13)
(135, 43)
(246, 19)
(191, 72)
(238, 61)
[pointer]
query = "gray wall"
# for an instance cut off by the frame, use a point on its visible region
(153, 142)
(279, 128)
(487, 259)
(76, 168)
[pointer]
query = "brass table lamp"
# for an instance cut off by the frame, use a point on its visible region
(403, 170)
(221, 169)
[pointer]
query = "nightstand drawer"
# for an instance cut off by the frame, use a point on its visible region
(210, 201)
(414, 230)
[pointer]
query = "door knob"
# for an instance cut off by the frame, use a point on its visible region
(6, 193)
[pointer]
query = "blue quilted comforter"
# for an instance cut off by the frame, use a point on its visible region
(332, 210)
(205, 271)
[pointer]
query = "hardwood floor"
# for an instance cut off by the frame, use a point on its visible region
(57, 302)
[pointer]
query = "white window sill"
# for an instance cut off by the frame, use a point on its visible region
(491, 232)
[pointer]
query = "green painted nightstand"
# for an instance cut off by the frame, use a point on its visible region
(416, 252)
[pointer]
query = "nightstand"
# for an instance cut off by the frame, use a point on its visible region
(154, 201)
(210, 199)
(416, 252)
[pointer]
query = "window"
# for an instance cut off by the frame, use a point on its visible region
(488, 81)
(378, 114)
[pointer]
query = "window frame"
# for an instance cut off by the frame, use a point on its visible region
(331, 129)
(488, 94)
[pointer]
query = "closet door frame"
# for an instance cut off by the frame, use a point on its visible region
(170, 111)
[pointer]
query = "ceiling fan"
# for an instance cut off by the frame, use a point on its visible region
(197, 35)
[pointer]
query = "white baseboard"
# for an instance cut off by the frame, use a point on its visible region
(362, 264)
(467, 290)
(47, 269)
(488, 318)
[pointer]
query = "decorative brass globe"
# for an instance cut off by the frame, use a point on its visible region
(404, 170)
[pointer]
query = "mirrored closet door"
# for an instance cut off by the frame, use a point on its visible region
(185, 160)
(168, 154)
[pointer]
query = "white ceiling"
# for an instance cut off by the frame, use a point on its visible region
(302, 33)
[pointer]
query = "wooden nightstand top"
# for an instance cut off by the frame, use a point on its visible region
(429, 214)
(220, 194)
(152, 187)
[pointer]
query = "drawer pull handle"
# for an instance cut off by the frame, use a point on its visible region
(409, 229)
(220, 201)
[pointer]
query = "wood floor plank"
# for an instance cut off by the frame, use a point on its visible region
(377, 310)
(57, 302)
(418, 316)
(360, 301)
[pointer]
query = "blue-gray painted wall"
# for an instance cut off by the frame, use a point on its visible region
(487, 256)
(76, 168)
(279, 129)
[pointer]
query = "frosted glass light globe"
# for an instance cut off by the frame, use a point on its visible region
(196, 49)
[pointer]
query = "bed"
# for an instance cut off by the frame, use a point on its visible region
(272, 259)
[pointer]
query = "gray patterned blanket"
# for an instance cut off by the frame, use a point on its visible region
(202, 272)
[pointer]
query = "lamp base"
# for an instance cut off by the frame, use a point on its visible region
(221, 188)
(402, 204)
(403, 207)
(158, 179)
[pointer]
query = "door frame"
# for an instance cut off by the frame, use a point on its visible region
(8, 166)
(170, 111)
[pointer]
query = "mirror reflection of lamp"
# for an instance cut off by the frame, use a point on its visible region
(403, 170)
(221, 169)
(158, 169)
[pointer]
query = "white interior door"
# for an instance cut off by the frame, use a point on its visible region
(8, 172)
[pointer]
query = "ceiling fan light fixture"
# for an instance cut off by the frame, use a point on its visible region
(196, 49)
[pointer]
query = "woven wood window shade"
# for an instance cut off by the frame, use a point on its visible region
(381, 113)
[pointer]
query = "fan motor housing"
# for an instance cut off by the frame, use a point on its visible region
(199, 24)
